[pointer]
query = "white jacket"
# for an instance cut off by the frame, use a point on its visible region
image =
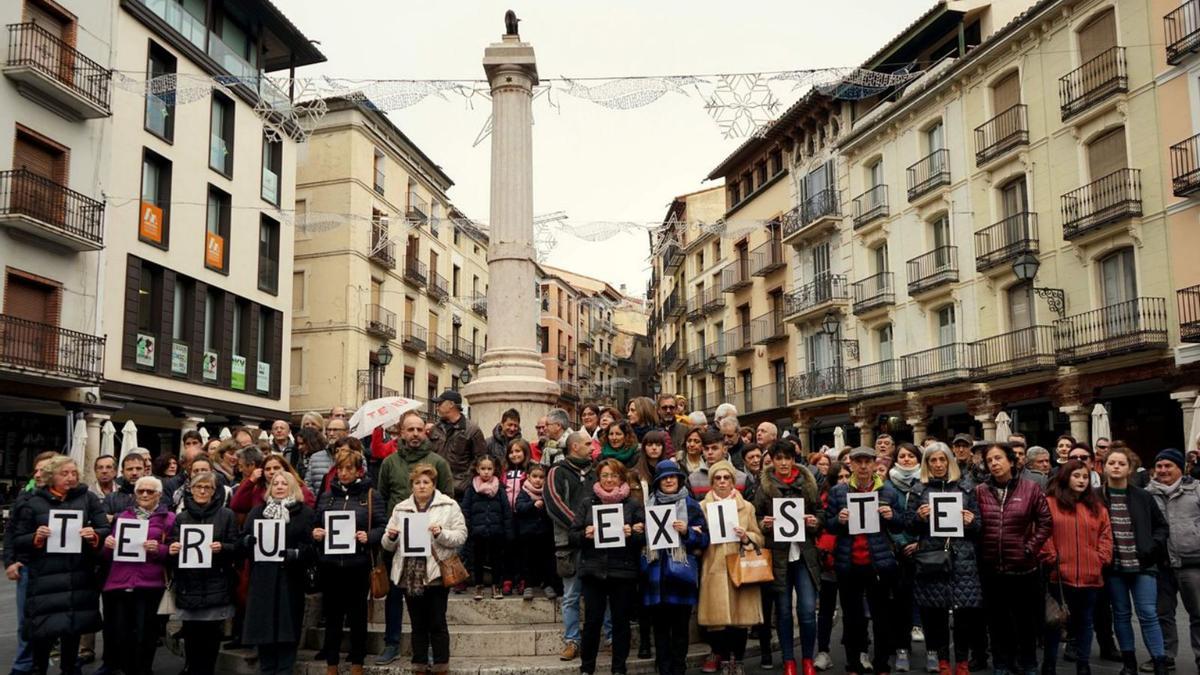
(443, 511)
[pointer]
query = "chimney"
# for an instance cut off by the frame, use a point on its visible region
(622, 289)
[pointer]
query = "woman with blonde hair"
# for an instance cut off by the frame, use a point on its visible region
(313, 420)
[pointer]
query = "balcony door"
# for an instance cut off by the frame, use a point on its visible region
(935, 139)
(884, 343)
(38, 195)
(32, 339)
(940, 231)
(820, 353)
(1118, 283)
(815, 184)
(1020, 316)
(779, 375)
(1006, 93)
(1097, 37)
(947, 355)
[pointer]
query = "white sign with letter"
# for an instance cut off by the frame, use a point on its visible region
(946, 514)
(131, 539)
(271, 540)
(722, 519)
(660, 527)
(195, 547)
(414, 535)
(339, 532)
(789, 519)
(864, 512)
(64, 531)
(609, 521)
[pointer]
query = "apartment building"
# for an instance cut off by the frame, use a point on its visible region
(395, 292)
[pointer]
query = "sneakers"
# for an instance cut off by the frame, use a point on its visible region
(549, 592)
(498, 595)
(527, 594)
(570, 652)
(390, 653)
(864, 661)
(479, 592)
(901, 661)
(918, 635)
(711, 664)
(507, 588)
(931, 663)
(823, 662)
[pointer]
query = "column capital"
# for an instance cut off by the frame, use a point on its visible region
(1183, 395)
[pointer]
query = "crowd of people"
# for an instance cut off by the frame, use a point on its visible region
(993, 553)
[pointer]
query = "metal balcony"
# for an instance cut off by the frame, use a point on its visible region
(768, 328)
(673, 358)
(464, 351)
(673, 257)
(440, 348)
(41, 353)
(1185, 166)
(738, 341)
(562, 354)
(413, 337)
(417, 210)
(1008, 130)
(383, 249)
(877, 290)
(1189, 313)
(1006, 240)
(942, 365)
(870, 205)
(479, 304)
(673, 307)
(817, 384)
(819, 212)
(695, 305)
(735, 276)
(875, 379)
(1135, 325)
(370, 386)
(1093, 82)
(1111, 199)
(697, 359)
(929, 173)
(933, 269)
(815, 297)
(381, 322)
(1015, 352)
(714, 300)
(1182, 29)
(438, 288)
(40, 61)
(415, 271)
(40, 207)
(766, 258)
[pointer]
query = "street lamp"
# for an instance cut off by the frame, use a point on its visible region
(1026, 267)
(383, 356)
(831, 325)
(714, 365)
(464, 376)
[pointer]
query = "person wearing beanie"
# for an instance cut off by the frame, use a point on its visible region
(1178, 496)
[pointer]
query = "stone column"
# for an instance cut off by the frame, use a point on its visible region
(1080, 416)
(803, 422)
(95, 423)
(511, 374)
(1187, 401)
(861, 418)
(989, 426)
(916, 415)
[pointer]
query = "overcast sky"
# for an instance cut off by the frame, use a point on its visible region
(594, 163)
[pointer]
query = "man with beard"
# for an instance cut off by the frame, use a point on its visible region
(457, 439)
(730, 432)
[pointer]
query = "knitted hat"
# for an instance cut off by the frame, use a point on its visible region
(723, 465)
(667, 468)
(1171, 455)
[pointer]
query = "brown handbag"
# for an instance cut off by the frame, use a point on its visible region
(453, 571)
(381, 581)
(749, 566)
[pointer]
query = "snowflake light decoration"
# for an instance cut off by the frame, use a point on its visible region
(742, 104)
(295, 118)
(625, 94)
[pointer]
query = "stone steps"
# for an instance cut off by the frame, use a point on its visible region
(497, 640)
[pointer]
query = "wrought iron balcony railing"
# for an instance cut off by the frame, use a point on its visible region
(418, 208)
(673, 256)
(735, 276)
(51, 211)
(438, 288)
(1189, 313)
(413, 337)
(1134, 325)
(1185, 166)
(1004, 241)
(875, 379)
(713, 300)
(70, 77)
(825, 289)
(381, 321)
(817, 384)
(383, 249)
(929, 173)
(938, 366)
(738, 340)
(673, 307)
(415, 271)
(870, 205)
(768, 328)
(41, 351)
(1105, 201)
(1182, 28)
(877, 290)
(464, 351)
(766, 258)
(1002, 133)
(1093, 82)
(1020, 351)
(440, 348)
(930, 270)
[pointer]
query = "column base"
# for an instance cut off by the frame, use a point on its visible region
(511, 378)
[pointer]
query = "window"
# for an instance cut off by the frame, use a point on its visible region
(216, 235)
(1097, 36)
(875, 174)
(1006, 92)
(160, 105)
(1118, 278)
(1106, 154)
(297, 378)
(1020, 306)
(455, 273)
(883, 338)
(945, 324)
(181, 324)
(220, 143)
(881, 258)
(154, 213)
(762, 174)
(212, 332)
(268, 255)
(776, 162)
(544, 339)
(410, 385)
(241, 344)
(272, 167)
(298, 291)
(379, 171)
(1013, 199)
(149, 314)
(935, 137)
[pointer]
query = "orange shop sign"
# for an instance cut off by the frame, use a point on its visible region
(150, 223)
(214, 250)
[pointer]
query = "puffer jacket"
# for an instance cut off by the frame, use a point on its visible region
(393, 473)
(568, 489)
(1150, 530)
(461, 443)
(63, 595)
(152, 573)
(609, 563)
(212, 587)
(962, 588)
(1081, 545)
(487, 517)
(803, 486)
(883, 558)
(369, 517)
(320, 463)
(529, 521)
(1181, 504)
(10, 533)
(1014, 528)
(497, 445)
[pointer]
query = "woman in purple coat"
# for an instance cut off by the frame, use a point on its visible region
(133, 589)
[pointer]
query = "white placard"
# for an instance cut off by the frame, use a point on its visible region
(864, 512)
(789, 519)
(131, 539)
(271, 540)
(722, 519)
(945, 514)
(195, 547)
(339, 532)
(610, 525)
(64, 531)
(660, 527)
(414, 535)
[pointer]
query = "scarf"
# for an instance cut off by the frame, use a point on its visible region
(640, 430)
(534, 493)
(1167, 491)
(413, 576)
(611, 497)
(141, 514)
(278, 509)
(623, 455)
(902, 478)
(487, 489)
(679, 500)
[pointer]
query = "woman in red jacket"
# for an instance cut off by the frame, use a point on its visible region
(1079, 549)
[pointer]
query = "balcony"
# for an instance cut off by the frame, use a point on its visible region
(1182, 29)
(928, 174)
(571, 358)
(440, 349)
(381, 322)
(439, 288)
(585, 372)
(714, 300)
(1131, 326)
(562, 354)
(1185, 166)
(1189, 313)
(735, 276)
(942, 365)
(1093, 82)
(673, 257)
(1008, 130)
(697, 359)
(585, 338)
(673, 358)
(673, 307)
(1014, 353)
(383, 249)
(370, 386)
(53, 71)
(42, 353)
(417, 209)
(40, 207)
(815, 297)
(817, 384)
(876, 379)
(464, 351)
(1109, 200)
(874, 292)
(870, 205)
(738, 341)
(413, 337)
(767, 258)
(568, 390)
(415, 271)
(1006, 240)
(818, 213)
(768, 328)
(931, 270)
(479, 304)
(695, 305)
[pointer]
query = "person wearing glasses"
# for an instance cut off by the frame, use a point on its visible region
(1082, 452)
(668, 411)
(133, 589)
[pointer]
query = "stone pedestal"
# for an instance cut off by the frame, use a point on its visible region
(511, 374)
(1186, 398)
(95, 425)
(1080, 418)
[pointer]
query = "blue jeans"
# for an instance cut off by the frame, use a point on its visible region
(23, 662)
(799, 582)
(393, 616)
(1081, 602)
(1143, 588)
(572, 592)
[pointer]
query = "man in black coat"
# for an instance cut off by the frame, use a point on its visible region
(121, 499)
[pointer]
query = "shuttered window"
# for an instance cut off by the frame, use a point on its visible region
(1098, 36)
(31, 154)
(1106, 154)
(1006, 92)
